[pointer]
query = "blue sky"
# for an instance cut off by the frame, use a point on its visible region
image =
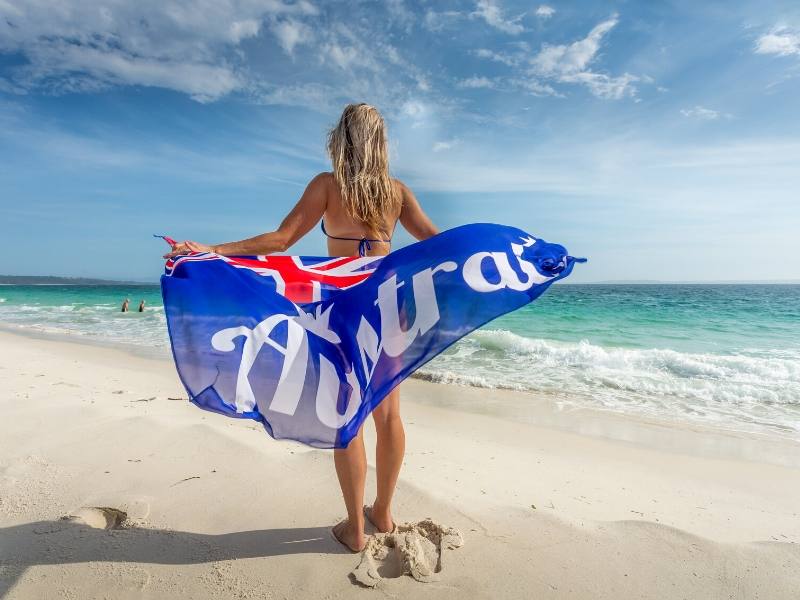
(660, 139)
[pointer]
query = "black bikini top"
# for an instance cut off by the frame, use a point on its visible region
(363, 243)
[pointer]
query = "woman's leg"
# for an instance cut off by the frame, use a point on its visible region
(351, 468)
(389, 452)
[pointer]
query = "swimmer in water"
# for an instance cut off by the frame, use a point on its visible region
(141, 306)
(125, 305)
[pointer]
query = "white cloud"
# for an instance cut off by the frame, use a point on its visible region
(528, 85)
(575, 57)
(400, 14)
(781, 41)
(291, 33)
(342, 56)
(203, 82)
(490, 11)
(415, 113)
(700, 112)
(501, 57)
(11, 88)
(534, 87)
(545, 12)
(200, 52)
(215, 48)
(436, 21)
(570, 63)
(476, 83)
(414, 109)
(444, 145)
(565, 63)
(180, 46)
(345, 61)
(605, 86)
(349, 47)
(240, 30)
(315, 96)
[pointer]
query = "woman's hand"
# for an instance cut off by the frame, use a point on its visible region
(186, 248)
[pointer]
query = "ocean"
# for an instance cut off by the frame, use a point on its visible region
(719, 355)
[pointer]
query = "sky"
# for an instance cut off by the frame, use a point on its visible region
(659, 139)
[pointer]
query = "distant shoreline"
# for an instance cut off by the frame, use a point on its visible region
(44, 280)
(52, 280)
(710, 282)
(94, 284)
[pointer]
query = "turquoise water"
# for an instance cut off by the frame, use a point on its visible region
(686, 318)
(726, 355)
(91, 311)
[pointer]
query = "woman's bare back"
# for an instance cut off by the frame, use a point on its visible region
(339, 224)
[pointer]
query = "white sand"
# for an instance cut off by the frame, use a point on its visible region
(217, 509)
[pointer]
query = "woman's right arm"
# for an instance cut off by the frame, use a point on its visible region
(413, 218)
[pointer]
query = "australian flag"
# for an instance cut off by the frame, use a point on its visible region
(310, 346)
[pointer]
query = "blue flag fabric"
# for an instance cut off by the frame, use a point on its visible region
(310, 346)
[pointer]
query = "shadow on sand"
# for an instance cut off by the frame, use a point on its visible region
(66, 542)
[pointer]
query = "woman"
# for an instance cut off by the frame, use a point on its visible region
(359, 205)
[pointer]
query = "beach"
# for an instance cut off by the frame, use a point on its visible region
(566, 503)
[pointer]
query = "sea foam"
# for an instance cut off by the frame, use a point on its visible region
(760, 389)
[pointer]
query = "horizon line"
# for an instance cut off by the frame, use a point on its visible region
(75, 280)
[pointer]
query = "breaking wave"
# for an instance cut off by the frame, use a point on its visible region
(758, 388)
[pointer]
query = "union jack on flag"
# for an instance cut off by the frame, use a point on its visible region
(301, 279)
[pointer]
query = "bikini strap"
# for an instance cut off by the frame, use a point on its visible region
(363, 243)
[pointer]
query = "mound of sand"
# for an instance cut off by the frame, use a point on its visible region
(99, 517)
(414, 549)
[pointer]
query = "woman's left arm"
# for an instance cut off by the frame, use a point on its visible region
(306, 213)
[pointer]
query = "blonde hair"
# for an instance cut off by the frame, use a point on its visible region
(357, 147)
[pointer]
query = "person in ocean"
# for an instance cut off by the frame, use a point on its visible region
(141, 306)
(358, 206)
(125, 305)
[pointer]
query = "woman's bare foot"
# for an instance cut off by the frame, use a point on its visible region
(382, 520)
(348, 536)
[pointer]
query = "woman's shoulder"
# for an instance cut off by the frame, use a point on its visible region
(324, 178)
(400, 187)
(402, 190)
(322, 184)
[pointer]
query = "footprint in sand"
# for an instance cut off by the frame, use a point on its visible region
(99, 517)
(414, 549)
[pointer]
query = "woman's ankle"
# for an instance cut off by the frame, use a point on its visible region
(381, 509)
(356, 523)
